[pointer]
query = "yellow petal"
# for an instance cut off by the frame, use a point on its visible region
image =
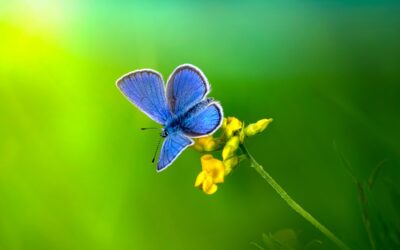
(206, 161)
(207, 184)
(230, 164)
(211, 190)
(227, 152)
(218, 173)
(232, 125)
(198, 147)
(200, 179)
(234, 142)
(230, 147)
(207, 143)
(224, 122)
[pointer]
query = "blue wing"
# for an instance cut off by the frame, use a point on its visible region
(145, 89)
(203, 121)
(186, 86)
(172, 147)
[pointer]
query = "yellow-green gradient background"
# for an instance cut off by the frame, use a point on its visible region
(75, 169)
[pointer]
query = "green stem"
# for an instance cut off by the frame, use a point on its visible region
(294, 205)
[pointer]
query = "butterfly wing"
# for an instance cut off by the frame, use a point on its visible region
(172, 147)
(200, 123)
(186, 86)
(145, 89)
(203, 121)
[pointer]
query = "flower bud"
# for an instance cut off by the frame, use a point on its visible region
(231, 125)
(230, 147)
(230, 163)
(257, 127)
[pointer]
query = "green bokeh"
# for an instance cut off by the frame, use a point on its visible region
(75, 169)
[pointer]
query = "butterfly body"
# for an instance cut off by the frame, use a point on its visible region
(182, 108)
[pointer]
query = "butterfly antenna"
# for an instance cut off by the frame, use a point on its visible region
(155, 153)
(147, 128)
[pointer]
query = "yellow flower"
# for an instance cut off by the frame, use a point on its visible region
(207, 143)
(231, 125)
(230, 163)
(213, 172)
(257, 127)
(230, 147)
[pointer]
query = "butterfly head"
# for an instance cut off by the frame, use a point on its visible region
(164, 133)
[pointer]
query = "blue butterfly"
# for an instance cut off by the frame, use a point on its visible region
(182, 108)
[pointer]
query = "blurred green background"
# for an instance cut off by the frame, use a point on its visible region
(75, 170)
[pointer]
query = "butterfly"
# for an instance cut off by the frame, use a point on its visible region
(182, 107)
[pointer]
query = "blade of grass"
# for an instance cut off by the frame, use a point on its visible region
(374, 174)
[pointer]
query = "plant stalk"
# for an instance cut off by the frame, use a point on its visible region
(293, 204)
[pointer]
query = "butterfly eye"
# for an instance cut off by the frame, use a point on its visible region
(164, 133)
